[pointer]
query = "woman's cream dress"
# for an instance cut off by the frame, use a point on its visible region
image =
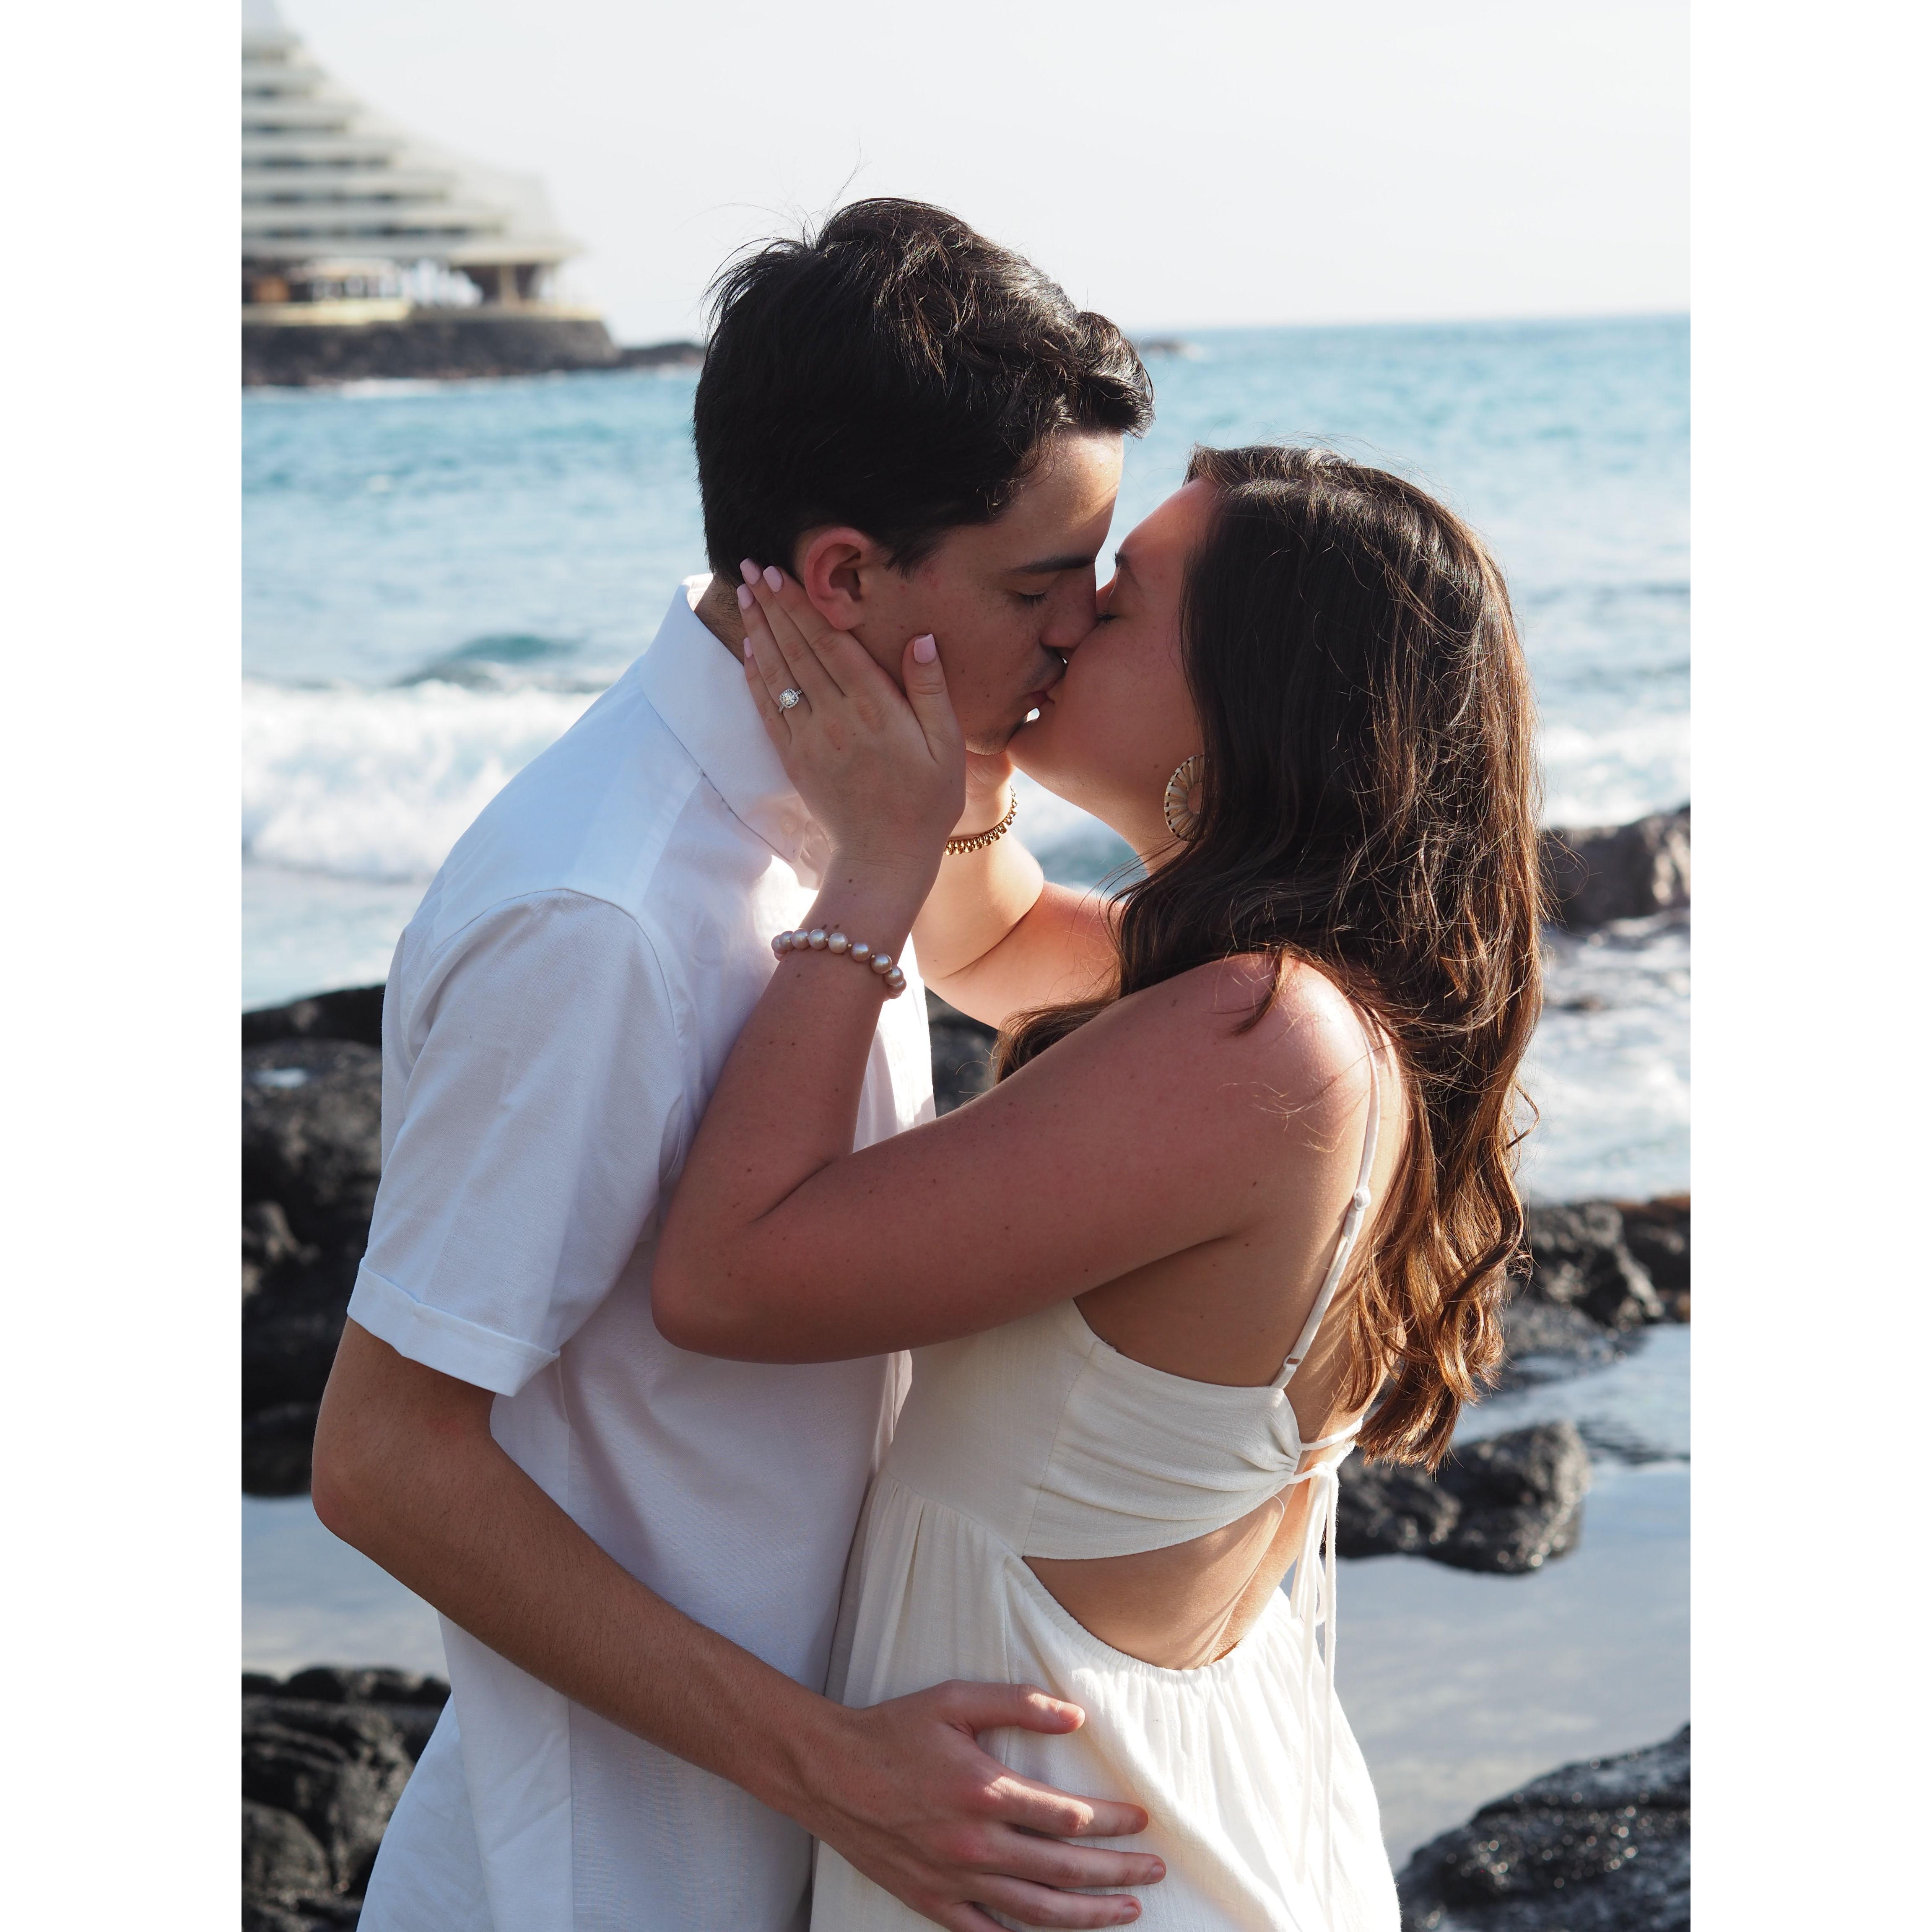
(1038, 1440)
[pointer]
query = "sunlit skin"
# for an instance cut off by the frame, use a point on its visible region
(1009, 597)
(1182, 1179)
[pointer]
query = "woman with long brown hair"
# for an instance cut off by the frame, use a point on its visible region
(1240, 1199)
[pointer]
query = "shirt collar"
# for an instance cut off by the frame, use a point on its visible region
(690, 679)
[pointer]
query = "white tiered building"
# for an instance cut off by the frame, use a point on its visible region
(346, 218)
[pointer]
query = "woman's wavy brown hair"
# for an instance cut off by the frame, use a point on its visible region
(1369, 808)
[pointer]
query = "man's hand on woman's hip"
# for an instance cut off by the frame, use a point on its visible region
(903, 1792)
(407, 1470)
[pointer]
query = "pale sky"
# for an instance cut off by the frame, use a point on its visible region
(1197, 164)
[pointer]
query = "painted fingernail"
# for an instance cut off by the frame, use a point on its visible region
(748, 570)
(924, 649)
(774, 577)
(744, 597)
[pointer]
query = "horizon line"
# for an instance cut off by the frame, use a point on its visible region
(1184, 331)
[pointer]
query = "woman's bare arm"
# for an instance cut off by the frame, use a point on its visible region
(995, 939)
(1059, 948)
(1158, 1127)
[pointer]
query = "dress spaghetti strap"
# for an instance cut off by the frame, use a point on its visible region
(1311, 1593)
(1359, 1203)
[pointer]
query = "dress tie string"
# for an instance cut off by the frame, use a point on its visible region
(1311, 1597)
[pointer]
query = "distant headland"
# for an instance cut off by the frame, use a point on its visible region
(367, 252)
(444, 344)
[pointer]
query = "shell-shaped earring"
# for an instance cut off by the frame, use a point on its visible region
(1183, 823)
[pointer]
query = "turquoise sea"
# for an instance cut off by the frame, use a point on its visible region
(439, 578)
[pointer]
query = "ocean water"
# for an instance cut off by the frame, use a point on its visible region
(439, 578)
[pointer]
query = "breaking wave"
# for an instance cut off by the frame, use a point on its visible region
(379, 784)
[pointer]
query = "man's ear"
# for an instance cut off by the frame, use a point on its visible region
(837, 566)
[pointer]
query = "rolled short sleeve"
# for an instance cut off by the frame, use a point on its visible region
(542, 1108)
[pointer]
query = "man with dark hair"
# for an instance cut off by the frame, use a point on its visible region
(902, 413)
(637, 1552)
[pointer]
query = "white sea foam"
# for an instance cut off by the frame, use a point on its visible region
(379, 784)
(1611, 776)
(380, 386)
(1610, 1067)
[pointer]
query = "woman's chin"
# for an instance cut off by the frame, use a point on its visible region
(1032, 751)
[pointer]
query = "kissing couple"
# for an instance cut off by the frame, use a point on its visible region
(843, 1517)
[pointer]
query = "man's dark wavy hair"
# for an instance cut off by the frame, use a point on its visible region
(896, 371)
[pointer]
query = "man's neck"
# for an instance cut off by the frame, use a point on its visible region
(717, 610)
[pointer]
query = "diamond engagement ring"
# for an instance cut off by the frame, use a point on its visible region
(789, 697)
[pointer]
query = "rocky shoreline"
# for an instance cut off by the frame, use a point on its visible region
(325, 1756)
(444, 345)
(1600, 873)
(1508, 1504)
(1604, 1845)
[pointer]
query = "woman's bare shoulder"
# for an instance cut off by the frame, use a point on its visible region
(1304, 1059)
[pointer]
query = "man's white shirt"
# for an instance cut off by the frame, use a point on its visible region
(558, 1011)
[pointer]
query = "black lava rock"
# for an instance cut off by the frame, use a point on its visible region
(1600, 873)
(278, 1443)
(354, 1013)
(1391, 1510)
(1546, 1342)
(311, 1155)
(410, 1701)
(1657, 1233)
(1580, 1258)
(319, 1911)
(1522, 1498)
(269, 1246)
(332, 1684)
(662, 356)
(1598, 1270)
(324, 1758)
(962, 1055)
(438, 344)
(282, 1860)
(1599, 1847)
(311, 1135)
(1508, 1505)
(336, 1768)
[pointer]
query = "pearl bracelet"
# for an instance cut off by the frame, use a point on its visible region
(819, 941)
